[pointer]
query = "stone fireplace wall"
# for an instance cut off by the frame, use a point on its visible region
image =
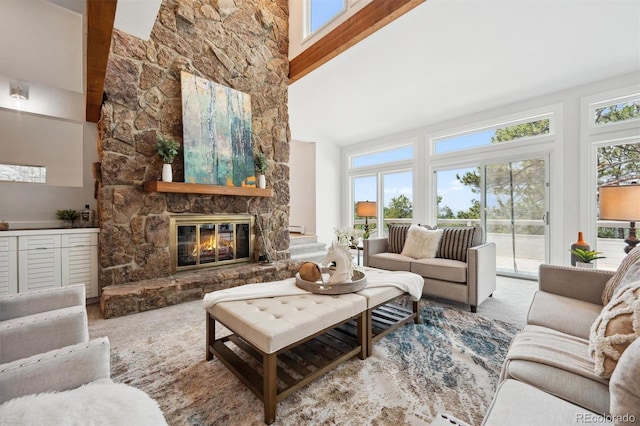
(242, 44)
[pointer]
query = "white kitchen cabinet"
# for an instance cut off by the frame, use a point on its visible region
(80, 261)
(8, 265)
(45, 258)
(39, 262)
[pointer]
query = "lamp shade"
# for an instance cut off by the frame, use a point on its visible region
(620, 202)
(366, 208)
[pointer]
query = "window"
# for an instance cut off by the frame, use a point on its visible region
(616, 111)
(320, 12)
(16, 173)
(486, 137)
(381, 157)
(386, 177)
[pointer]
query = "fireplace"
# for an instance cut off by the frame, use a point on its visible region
(210, 241)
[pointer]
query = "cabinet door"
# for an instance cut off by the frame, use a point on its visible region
(80, 261)
(8, 265)
(39, 262)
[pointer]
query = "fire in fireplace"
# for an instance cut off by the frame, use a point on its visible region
(210, 241)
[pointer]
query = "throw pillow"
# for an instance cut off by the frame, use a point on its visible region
(625, 386)
(421, 242)
(614, 282)
(617, 326)
(397, 237)
(455, 243)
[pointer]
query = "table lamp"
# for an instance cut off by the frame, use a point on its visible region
(366, 209)
(622, 202)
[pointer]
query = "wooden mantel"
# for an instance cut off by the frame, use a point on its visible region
(197, 188)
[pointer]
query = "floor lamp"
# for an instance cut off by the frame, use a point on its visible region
(622, 203)
(366, 209)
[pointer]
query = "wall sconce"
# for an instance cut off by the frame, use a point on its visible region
(19, 91)
(622, 203)
(366, 209)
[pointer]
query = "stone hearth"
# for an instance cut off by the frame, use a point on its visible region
(119, 300)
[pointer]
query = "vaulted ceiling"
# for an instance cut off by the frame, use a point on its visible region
(448, 58)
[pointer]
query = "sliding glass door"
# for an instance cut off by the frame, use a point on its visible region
(516, 214)
(510, 200)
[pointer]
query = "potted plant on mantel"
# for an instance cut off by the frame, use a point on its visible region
(168, 149)
(584, 257)
(261, 166)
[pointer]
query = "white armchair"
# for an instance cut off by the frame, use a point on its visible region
(72, 385)
(39, 321)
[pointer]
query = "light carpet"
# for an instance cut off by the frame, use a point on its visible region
(450, 362)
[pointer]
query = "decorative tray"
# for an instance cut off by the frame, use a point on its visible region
(357, 283)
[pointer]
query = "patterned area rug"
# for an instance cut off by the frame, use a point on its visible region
(450, 362)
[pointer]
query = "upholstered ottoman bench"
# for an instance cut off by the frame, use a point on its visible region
(287, 341)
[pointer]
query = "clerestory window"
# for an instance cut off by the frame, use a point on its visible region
(321, 12)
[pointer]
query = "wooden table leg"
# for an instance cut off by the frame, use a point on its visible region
(211, 335)
(416, 309)
(270, 379)
(365, 335)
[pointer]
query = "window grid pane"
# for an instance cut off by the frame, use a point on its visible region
(17, 173)
(322, 12)
(492, 136)
(617, 112)
(381, 157)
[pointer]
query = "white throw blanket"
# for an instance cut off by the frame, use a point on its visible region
(406, 281)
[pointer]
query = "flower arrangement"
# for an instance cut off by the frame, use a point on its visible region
(347, 236)
(586, 256)
(167, 148)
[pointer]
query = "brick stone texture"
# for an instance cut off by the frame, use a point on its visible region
(242, 44)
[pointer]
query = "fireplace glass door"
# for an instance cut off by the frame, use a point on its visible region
(210, 241)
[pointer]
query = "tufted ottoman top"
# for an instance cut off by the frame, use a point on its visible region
(273, 323)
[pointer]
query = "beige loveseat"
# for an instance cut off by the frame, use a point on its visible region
(463, 269)
(551, 375)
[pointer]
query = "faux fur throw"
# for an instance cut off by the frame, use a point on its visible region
(94, 404)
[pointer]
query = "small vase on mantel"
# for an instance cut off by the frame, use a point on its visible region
(262, 182)
(580, 244)
(167, 173)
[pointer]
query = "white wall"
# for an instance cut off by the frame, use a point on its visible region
(30, 205)
(568, 154)
(328, 190)
(302, 184)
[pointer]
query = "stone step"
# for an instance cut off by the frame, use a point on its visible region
(307, 248)
(316, 256)
(297, 239)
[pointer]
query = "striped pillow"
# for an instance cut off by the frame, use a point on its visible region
(455, 242)
(397, 236)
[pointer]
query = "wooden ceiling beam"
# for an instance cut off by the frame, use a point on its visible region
(363, 23)
(100, 17)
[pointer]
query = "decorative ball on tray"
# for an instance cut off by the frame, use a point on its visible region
(310, 271)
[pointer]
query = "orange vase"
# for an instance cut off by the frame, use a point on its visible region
(581, 244)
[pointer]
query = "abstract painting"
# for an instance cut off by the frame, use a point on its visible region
(216, 123)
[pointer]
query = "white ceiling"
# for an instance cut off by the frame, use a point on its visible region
(449, 58)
